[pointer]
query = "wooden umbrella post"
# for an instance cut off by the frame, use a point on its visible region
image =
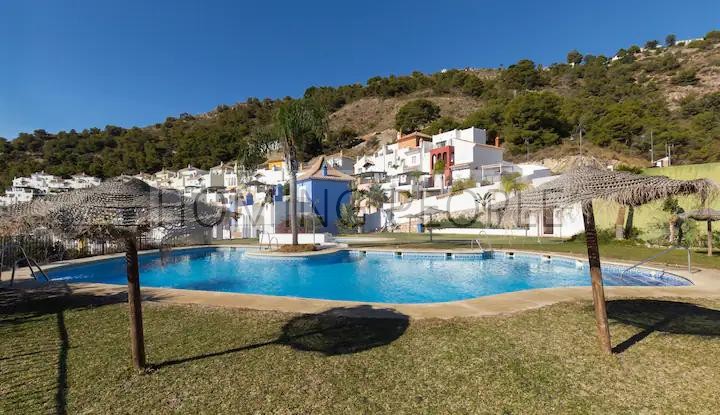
(709, 237)
(596, 278)
(137, 338)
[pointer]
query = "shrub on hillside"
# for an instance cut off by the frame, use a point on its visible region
(699, 44)
(686, 77)
(713, 36)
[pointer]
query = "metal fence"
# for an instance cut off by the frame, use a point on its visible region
(45, 248)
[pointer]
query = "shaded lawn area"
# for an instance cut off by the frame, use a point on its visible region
(618, 250)
(75, 359)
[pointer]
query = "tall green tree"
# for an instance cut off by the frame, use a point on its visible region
(537, 117)
(416, 115)
(574, 57)
(296, 123)
(522, 75)
(670, 40)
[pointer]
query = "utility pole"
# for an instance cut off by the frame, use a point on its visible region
(581, 131)
(652, 149)
(527, 150)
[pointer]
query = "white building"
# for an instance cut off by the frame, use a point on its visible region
(224, 175)
(403, 165)
(471, 203)
(83, 181)
(341, 163)
(408, 153)
(191, 180)
(465, 154)
(275, 171)
(24, 189)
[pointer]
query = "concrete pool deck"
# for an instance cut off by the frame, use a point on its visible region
(706, 285)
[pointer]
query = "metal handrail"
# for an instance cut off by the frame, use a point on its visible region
(659, 254)
(477, 241)
(277, 242)
(30, 262)
(260, 238)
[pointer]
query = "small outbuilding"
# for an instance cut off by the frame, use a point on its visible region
(326, 189)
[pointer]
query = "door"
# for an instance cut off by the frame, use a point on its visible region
(548, 222)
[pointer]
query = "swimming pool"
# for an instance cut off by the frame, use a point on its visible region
(383, 277)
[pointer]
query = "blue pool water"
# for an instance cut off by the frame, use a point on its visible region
(353, 276)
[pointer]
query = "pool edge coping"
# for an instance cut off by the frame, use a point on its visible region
(706, 284)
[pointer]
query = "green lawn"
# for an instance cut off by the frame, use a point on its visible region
(64, 357)
(618, 250)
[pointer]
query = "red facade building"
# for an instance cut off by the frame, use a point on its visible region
(447, 155)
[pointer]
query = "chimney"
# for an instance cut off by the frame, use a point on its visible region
(497, 141)
(399, 135)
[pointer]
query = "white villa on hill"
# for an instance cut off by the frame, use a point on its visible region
(466, 155)
(411, 165)
(24, 189)
(418, 171)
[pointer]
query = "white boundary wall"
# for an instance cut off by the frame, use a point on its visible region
(303, 238)
(485, 232)
(566, 222)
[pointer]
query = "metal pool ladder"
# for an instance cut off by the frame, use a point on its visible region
(30, 263)
(659, 254)
(479, 244)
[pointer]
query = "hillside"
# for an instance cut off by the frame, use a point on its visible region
(377, 114)
(671, 93)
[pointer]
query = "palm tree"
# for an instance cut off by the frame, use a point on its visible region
(296, 122)
(376, 197)
(485, 200)
(510, 183)
(511, 186)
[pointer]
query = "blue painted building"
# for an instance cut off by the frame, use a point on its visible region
(326, 189)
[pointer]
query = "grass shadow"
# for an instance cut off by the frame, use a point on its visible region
(20, 306)
(662, 316)
(337, 331)
(61, 390)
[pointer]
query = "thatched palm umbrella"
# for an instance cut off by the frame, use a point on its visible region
(119, 209)
(708, 215)
(583, 184)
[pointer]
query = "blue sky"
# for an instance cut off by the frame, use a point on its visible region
(88, 63)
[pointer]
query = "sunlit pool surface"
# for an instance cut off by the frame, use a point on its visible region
(356, 276)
